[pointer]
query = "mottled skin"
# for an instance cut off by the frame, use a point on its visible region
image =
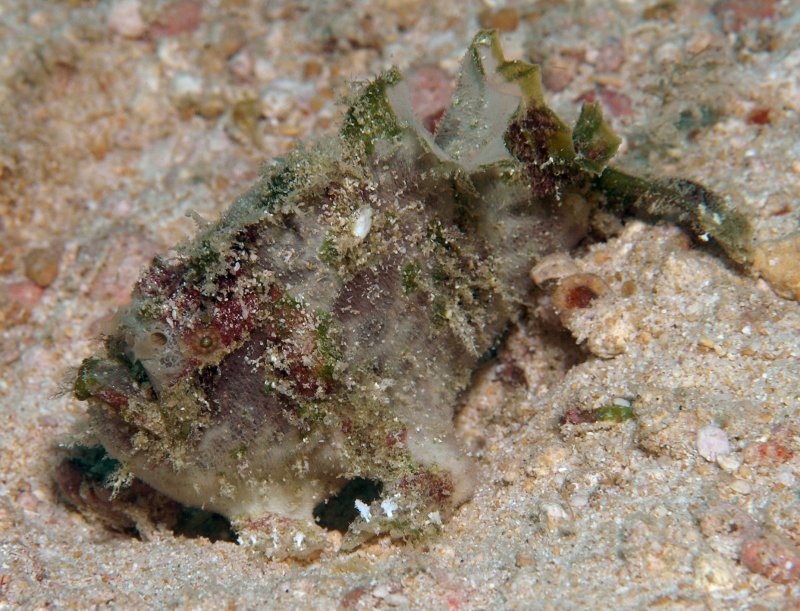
(323, 329)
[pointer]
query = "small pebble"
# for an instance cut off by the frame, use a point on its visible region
(227, 38)
(617, 103)
(699, 42)
(610, 338)
(125, 19)
(178, 17)
(24, 293)
(579, 500)
(741, 486)
(41, 265)
(241, 64)
(548, 460)
(186, 92)
(711, 572)
(729, 462)
(660, 10)
(510, 476)
(504, 19)
(628, 288)
(609, 57)
(772, 556)
(735, 15)
(381, 591)
(758, 116)
(712, 442)
(396, 600)
(523, 559)
(553, 267)
(558, 72)
(778, 262)
(555, 517)
(185, 84)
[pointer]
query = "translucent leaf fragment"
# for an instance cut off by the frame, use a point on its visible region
(483, 104)
(594, 141)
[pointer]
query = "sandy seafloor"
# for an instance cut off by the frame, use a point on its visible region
(112, 129)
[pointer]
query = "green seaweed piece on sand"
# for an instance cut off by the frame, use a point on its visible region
(683, 202)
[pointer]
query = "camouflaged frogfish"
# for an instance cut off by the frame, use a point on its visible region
(320, 333)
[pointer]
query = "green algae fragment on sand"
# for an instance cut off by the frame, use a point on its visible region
(614, 413)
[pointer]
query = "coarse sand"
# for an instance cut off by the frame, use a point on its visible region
(119, 118)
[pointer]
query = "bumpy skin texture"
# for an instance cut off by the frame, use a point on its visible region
(322, 330)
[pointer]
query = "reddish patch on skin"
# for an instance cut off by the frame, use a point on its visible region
(578, 292)
(306, 381)
(161, 279)
(233, 318)
(293, 332)
(579, 297)
(431, 122)
(229, 321)
(528, 139)
(431, 485)
(274, 293)
(115, 398)
(185, 299)
(397, 438)
(758, 116)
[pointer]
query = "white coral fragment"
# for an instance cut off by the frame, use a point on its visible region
(363, 510)
(389, 507)
(362, 223)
